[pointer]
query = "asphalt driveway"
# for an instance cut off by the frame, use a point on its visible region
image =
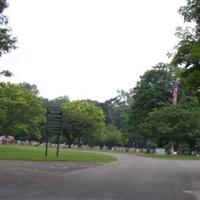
(132, 177)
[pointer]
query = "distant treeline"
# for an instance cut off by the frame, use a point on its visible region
(142, 117)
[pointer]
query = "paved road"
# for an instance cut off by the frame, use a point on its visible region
(133, 178)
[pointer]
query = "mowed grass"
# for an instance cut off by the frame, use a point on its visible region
(15, 152)
(168, 157)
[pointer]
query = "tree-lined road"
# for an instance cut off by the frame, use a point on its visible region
(132, 177)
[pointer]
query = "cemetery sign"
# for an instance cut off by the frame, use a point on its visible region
(53, 124)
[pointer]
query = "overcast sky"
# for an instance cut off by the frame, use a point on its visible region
(89, 48)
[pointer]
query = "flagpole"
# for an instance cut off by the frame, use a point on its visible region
(174, 102)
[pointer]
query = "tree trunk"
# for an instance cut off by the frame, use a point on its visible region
(69, 145)
(191, 147)
(161, 144)
(69, 141)
(176, 144)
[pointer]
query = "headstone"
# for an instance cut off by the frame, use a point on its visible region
(35, 144)
(151, 151)
(193, 153)
(105, 148)
(97, 147)
(26, 142)
(43, 144)
(63, 145)
(53, 145)
(138, 150)
(7, 139)
(19, 142)
(144, 150)
(132, 149)
(160, 152)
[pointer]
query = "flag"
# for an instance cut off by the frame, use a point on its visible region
(175, 93)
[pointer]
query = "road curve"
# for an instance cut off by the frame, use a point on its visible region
(132, 177)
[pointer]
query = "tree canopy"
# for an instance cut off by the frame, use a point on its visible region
(82, 120)
(21, 111)
(144, 115)
(117, 110)
(7, 41)
(168, 124)
(154, 90)
(188, 49)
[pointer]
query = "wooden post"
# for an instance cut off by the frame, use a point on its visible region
(47, 138)
(58, 141)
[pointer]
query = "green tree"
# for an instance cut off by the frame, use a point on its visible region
(117, 110)
(32, 88)
(57, 102)
(21, 112)
(82, 121)
(154, 90)
(168, 124)
(7, 42)
(188, 49)
(112, 136)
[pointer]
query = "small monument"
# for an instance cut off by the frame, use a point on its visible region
(160, 152)
(7, 139)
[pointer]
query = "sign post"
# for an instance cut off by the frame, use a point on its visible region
(58, 141)
(53, 125)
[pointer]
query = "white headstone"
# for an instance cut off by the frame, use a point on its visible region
(160, 152)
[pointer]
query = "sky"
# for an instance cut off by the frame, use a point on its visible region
(88, 49)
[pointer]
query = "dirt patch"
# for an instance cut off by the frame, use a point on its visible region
(20, 173)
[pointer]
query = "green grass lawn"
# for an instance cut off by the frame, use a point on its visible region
(168, 157)
(15, 152)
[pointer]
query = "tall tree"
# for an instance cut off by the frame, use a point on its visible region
(57, 102)
(7, 41)
(154, 90)
(32, 88)
(167, 124)
(112, 136)
(81, 120)
(21, 111)
(188, 49)
(117, 110)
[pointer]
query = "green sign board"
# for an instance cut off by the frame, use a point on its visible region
(54, 120)
(53, 125)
